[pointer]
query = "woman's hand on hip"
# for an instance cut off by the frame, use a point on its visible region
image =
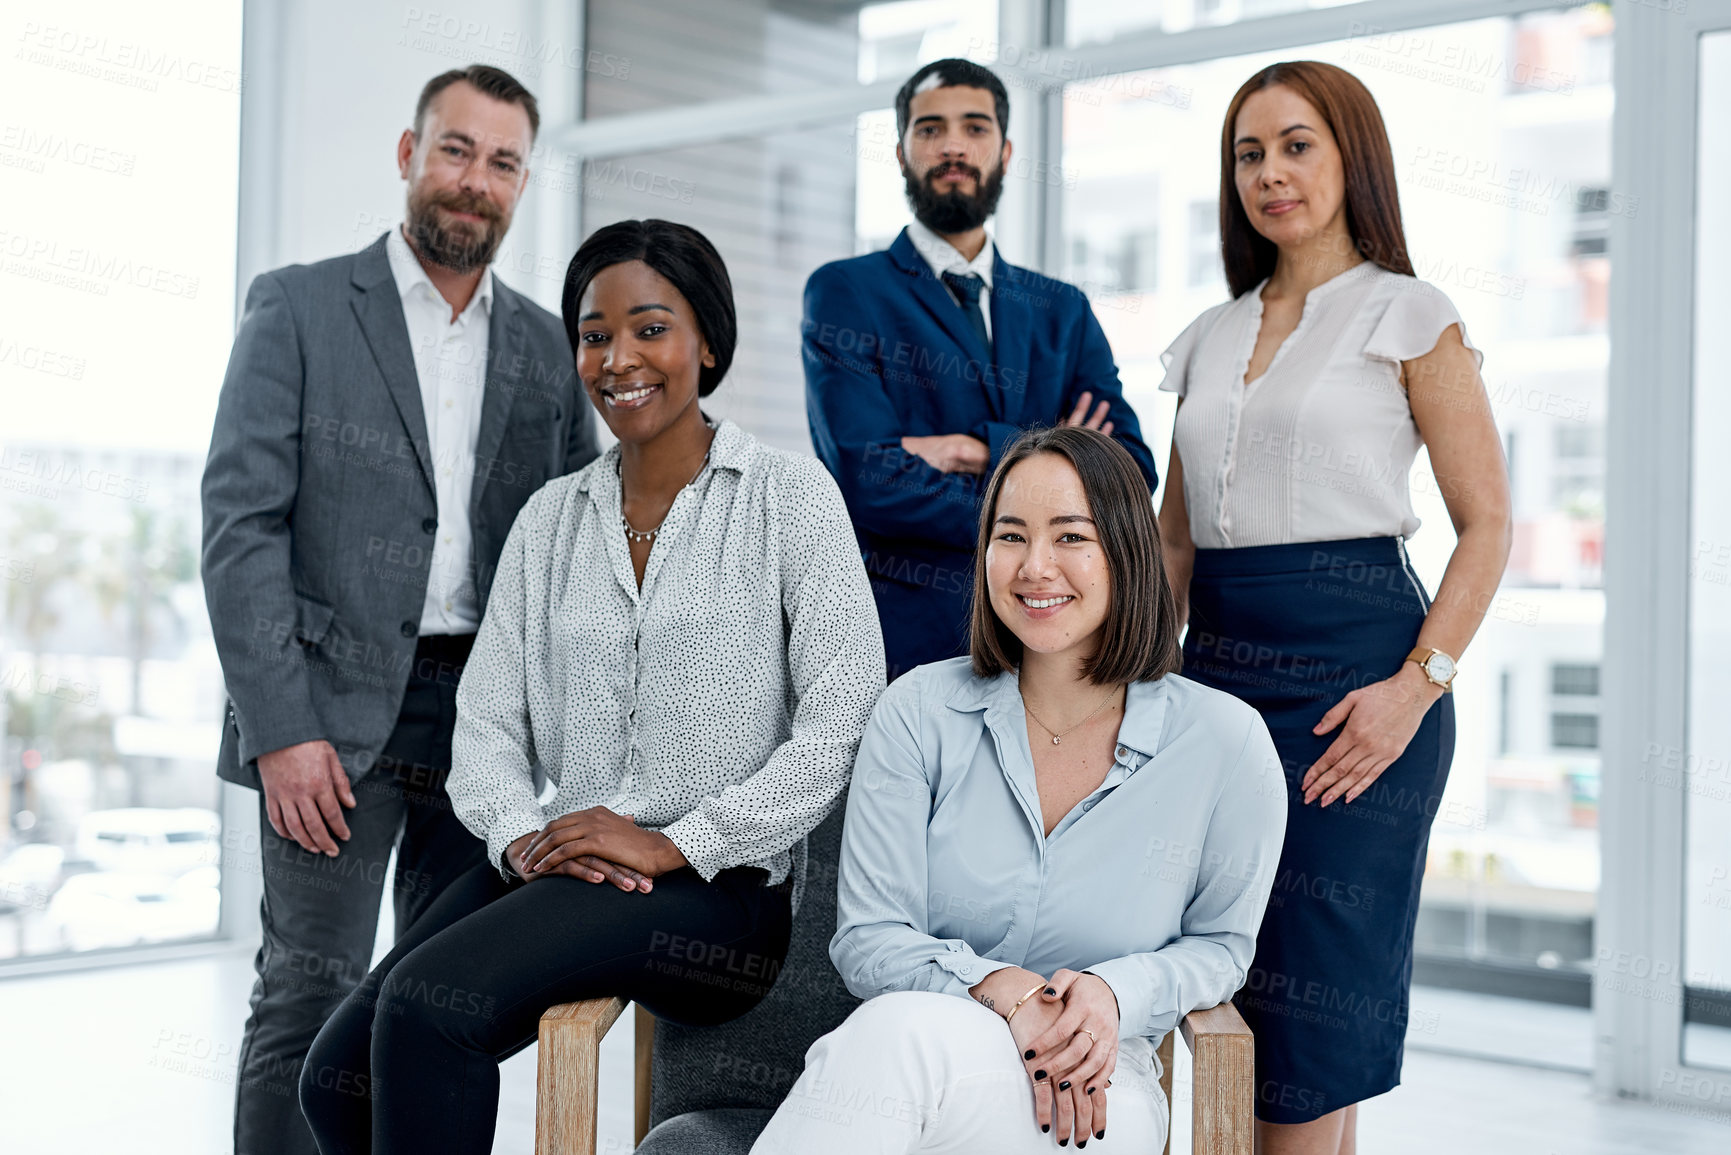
(1381, 719)
(587, 839)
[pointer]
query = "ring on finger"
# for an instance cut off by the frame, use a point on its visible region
(1090, 1035)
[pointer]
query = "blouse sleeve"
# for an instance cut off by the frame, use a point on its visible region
(835, 658)
(883, 940)
(1413, 322)
(491, 783)
(1176, 358)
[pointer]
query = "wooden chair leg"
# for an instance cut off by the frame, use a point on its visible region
(568, 1075)
(644, 1024)
(1223, 1087)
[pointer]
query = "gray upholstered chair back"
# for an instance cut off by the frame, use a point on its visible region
(753, 1060)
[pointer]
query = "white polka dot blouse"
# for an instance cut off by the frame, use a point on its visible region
(722, 704)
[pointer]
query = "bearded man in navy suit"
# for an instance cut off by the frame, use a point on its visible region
(924, 362)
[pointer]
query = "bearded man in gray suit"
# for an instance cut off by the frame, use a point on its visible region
(384, 416)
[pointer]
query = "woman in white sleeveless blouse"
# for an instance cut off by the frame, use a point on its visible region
(1303, 401)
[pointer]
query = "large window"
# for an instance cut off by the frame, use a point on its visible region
(1501, 138)
(1088, 21)
(684, 52)
(118, 162)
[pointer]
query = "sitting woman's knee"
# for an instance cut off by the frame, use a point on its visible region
(417, 997)
(901, 1018)
(332, 1089)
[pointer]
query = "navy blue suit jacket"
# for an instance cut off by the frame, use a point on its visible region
(890, 354)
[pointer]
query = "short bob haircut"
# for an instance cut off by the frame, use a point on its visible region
(1372, 201)
(681, 254)
(1139, 639)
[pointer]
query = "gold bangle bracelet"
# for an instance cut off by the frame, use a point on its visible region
(1037, 989)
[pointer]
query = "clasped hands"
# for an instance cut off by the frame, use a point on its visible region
(596, 845)
(964, 453)
(1067, 1035)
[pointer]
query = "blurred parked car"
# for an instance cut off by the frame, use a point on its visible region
(29, 875)
(123, 908)
(144, 840)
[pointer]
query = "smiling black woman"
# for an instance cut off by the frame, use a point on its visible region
(682, 635)
(643, 358)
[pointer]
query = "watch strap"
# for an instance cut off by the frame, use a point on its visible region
(1422, 654)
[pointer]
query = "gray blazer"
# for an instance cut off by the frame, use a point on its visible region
(318, 501)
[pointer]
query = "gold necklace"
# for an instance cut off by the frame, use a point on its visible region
(1056, 735)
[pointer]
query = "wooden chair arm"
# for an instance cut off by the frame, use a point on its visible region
(568, 1072)
(1223, 1088)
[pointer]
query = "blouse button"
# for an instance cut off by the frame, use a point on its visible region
(1120, 751)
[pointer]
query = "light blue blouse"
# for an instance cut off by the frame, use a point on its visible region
(1156, 881)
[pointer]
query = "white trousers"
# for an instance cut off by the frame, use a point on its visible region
(932, 1073)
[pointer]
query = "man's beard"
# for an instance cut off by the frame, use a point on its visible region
(464, 246)
(954, 211)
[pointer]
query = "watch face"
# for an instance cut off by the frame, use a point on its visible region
(1440, 667)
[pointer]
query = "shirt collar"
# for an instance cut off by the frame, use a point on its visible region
(731, 448)
(943, 257)
(1335, 283)
(406, 270)
(1145, 706)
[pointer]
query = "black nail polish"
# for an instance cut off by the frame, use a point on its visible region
(1064, 1086)
(1038, 1075)
(1100, 1134)
(1090, 1090)
(1028, 1054)
(1063, 1142)
(1051, 991)
(1045, 1126)
(1081, 1143)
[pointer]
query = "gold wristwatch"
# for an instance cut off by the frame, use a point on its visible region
(1437, 666)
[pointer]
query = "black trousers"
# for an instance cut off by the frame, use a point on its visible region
(410, 1061)
(320, 915)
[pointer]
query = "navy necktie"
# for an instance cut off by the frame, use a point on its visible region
(967, 290)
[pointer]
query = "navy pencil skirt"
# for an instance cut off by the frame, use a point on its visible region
(1291, 629)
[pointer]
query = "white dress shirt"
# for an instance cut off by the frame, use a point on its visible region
(1319, 447)
(451, 365)
(721, 704)
(944, 257)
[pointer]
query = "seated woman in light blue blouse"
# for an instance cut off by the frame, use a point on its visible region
(1053, 851)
